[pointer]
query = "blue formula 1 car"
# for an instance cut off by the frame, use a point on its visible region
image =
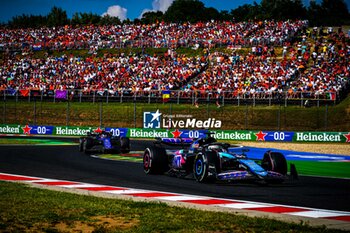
(207, 160)
(103, 142)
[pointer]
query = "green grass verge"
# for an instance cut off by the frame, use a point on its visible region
(33, 141)
(326, 169)
(26, 209)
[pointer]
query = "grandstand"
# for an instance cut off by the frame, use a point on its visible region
(307, 69)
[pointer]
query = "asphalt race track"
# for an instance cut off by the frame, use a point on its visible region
(66, 163)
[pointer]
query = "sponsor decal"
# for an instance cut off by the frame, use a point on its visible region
(176, 133)
(192, 123)
(278, 136)
(347, 136)
(118, 132)
(26, 129)
(98, 130)
(72, 131)
(151, 120)
(318, 137)
(233, 135)
(10, 129)
(260, 136)
(147, 133)
(42, 130)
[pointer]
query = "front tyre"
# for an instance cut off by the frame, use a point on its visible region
(201, 169)
(276, 162)
(87, 145)
(81, 144)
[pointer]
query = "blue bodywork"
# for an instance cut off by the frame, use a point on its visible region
(107, 143)
(230, 164)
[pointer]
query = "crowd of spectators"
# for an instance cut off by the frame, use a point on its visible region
(310, 70)
(122, 74)
(302, 69)
(156, 35)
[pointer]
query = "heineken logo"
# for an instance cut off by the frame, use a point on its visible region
(73, 131)
(318, 137)
(8, 129)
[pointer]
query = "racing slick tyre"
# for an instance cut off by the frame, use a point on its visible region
(155, 160)
(81, 142)
(275, 161)
(87, 145)
(205, 167)
(124, 145)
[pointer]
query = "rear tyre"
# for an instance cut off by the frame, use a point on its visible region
(124, 145)
(276, 162)
(155, 160)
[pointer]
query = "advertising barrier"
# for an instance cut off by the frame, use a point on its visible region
(236, 135)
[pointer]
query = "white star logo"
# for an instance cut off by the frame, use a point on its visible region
(156, 115)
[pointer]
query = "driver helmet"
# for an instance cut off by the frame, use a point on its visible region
(217, 148)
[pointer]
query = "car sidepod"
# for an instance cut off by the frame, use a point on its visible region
(107, 143)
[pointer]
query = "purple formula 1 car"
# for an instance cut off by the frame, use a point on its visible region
(104, 142)
(207, 160)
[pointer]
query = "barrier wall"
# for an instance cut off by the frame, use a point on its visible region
(237, 135)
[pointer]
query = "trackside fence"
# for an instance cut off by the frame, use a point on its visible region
(246, 113)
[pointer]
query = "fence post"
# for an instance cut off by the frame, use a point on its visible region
(208, 106)
(170, 109)
(134, 113)
(246, 116)
(285, 100)
(67, 115)
(34, 111)
(279, 118)
(100, 110)
(301, 100)
(80, 94)
(4, 112)
(326, 118)
(93, 97)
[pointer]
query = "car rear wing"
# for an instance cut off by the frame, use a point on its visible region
(175, 141)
